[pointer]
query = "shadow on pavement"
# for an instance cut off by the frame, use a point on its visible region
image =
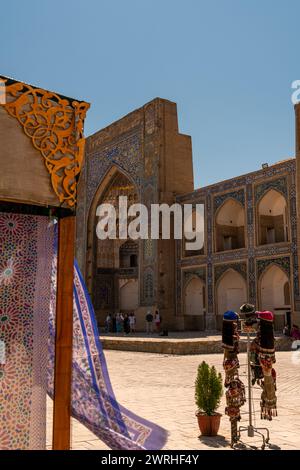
(246, 446)
(216, 441)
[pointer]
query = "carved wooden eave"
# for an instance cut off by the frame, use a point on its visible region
(54, 125)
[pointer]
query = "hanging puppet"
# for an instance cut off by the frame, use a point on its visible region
(235, 393)
(263, 347)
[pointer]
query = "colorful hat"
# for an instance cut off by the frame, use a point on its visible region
(247, 308)
(266, 315)
(230, 315)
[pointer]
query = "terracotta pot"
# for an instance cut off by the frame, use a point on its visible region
(209, 425)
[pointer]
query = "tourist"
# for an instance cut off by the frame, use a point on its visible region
(108, 323)
(295, 333)
(119, 322)
(122, 317)
(132, 322)
(126, 324)
(157, 321)
(149, 322)
(286, 330)
(114, 323)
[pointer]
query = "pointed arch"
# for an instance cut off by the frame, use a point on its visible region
(194, 296)
(109, 254)
(231, 292)
(274, 292)
(272, 218)
(272, 286)
(106, 180)
(230, 225)
(194, 303)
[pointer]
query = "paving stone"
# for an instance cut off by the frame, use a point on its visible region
(161, 389)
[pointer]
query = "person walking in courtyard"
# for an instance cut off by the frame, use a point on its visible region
(119, 323)
(157, 321)
(108, 323)
(132, 321)
(114, 323)
(126, 324)
(149, 322)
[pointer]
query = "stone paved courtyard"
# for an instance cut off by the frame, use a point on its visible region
(161, 389)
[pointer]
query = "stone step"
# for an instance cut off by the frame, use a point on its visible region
(180, 346)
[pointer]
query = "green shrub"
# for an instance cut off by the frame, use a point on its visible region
(208, 388)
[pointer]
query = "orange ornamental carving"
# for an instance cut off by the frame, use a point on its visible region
(55, 127)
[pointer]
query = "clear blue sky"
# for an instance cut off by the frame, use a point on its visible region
(228, 64)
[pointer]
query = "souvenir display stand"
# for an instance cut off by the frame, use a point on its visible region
(259, 370)
(250, 429)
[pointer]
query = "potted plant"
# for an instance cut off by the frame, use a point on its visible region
(208, 392)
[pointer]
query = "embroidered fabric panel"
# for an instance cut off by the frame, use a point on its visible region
(26, 250)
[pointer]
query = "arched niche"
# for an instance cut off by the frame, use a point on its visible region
(275, 293)
(230, 226)
(272, 218)
(231, 293)
(194, 296)
(194, 303)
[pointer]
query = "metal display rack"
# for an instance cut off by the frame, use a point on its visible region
(251, 429)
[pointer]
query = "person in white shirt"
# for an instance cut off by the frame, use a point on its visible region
(132, 322)
(108, 323)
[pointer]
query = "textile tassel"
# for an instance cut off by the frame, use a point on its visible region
(264, 351)
(235, 390)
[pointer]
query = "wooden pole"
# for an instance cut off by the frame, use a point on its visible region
(64, 335)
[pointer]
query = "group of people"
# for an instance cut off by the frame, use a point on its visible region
(120, 323)
(126, 322)
(150, 319)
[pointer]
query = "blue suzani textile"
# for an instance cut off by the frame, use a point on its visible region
(93, 400)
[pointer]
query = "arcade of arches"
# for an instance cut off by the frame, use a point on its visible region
(250, 245)
(250, 248)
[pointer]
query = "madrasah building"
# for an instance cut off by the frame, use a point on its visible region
(251, 250)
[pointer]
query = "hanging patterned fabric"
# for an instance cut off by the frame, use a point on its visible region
(263, 349)
(93, 400)
(27, 270)
(235, 390)
(249, 318)
(26, 252)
